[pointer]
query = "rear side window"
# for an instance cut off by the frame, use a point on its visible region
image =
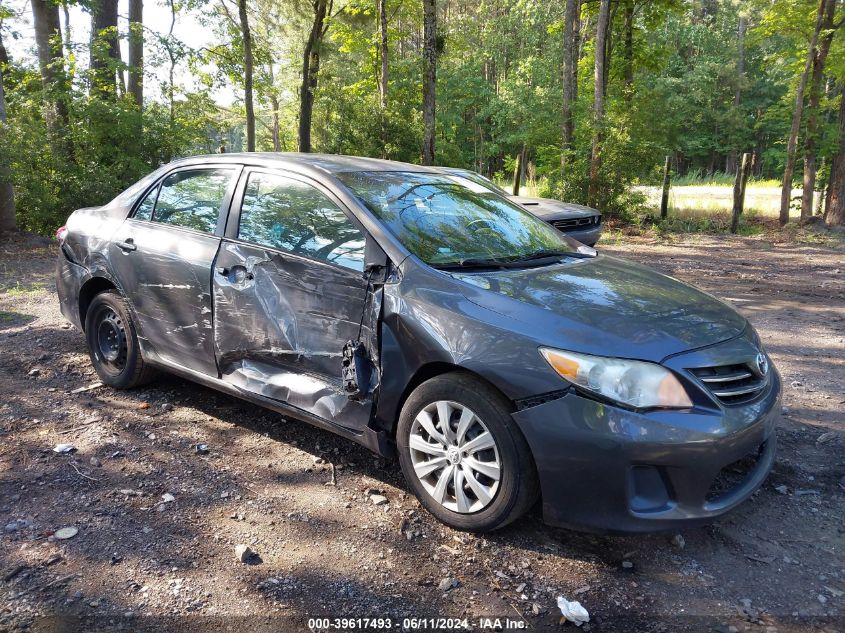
(190, 199)
(293, 216)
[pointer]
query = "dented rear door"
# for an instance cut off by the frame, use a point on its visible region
(162, 257)
(289, 291)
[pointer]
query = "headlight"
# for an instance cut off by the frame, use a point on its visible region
(634, 383)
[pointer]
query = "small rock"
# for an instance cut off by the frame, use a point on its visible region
(64, 449)
(626, 564)
(796, 383)
(782, 489)
(201, 449)
(822, 598)
(144, 405)
(65, 533)
(243, 553)
(34, 372)
(520, 587)
(746, 602)
(11, 527)
(96, 462)
(678, 541)
(447, 584)
(168, 498)
(378, 500)
(167, 407)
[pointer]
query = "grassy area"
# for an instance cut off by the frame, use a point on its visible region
(762, 199)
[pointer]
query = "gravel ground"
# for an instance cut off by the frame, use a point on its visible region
(157, 520)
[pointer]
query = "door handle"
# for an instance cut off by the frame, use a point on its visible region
(222, 271)
(127, 245)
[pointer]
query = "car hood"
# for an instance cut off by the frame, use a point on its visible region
(605, 306)
(549, 209)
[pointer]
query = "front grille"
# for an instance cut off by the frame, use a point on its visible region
(732, 384)
(571, 224)
(734, 475)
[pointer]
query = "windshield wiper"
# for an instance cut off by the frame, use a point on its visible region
(555, 255)
(471, 262)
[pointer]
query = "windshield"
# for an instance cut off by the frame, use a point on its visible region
(479, 180)
(447, 224)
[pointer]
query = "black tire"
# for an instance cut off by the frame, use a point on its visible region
(113, 342)
(518, 485)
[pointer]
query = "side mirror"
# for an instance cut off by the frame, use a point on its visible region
(375, 258)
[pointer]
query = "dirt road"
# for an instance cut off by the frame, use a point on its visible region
(157, 520)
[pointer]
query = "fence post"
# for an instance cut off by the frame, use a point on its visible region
(664, 200)
(739, 190)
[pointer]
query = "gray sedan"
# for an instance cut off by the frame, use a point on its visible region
(500, 361)
(577, 221)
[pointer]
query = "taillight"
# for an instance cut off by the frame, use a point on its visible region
(61, 234)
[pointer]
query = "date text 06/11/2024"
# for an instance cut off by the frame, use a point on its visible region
(415, 624)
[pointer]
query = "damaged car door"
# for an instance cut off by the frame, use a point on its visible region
(289, 293)
(162, 255)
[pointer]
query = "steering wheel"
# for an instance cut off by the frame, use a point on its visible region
(481, 224)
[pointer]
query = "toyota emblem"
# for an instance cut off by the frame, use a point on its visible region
(762, 364)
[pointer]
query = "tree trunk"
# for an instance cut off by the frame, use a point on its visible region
(248, 69)
(797, 111)
(429, 78)
(813, 101)
(48, 40)
(105, 51)
(274, 103)
(835, 207)
(598, 100)
(570, 78)
(7, 191)
(731, 161)
(136, 51)
(739, 190)
(664, 197)
(518, 169)
(628, 53)
(68, 40)
(310, 71)
(383, 51)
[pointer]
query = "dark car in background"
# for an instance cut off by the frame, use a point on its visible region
(500, 360)
(577, 221)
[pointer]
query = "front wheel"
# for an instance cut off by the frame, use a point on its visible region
(463, 456)
(113, 342)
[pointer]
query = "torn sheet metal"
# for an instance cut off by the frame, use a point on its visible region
(280, 323)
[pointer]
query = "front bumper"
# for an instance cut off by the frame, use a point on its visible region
(608, 469)
(586, 236)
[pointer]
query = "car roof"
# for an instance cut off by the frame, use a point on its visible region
(305, 163)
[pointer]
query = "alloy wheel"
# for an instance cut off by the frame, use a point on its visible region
(455, 457)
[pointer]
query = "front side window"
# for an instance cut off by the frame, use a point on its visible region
(289, 215)
(192, 198)
(445, 223)
(145, 209)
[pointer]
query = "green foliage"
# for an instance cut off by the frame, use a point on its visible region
(112, 143)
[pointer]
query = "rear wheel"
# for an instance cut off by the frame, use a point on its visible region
(113, 342)
(463, 456)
